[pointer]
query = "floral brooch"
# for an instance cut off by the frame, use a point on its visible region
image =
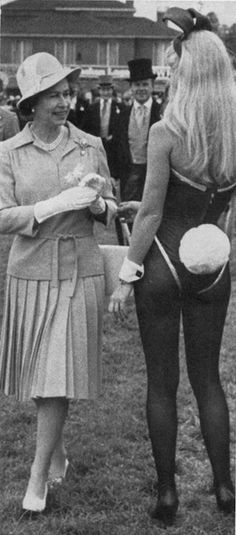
(83, 145)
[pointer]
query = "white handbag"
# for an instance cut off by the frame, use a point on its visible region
(113, 256)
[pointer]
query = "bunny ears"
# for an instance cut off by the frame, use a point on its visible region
(188, 20)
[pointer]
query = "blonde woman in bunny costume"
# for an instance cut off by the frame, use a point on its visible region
(54, 181)
(189, 185)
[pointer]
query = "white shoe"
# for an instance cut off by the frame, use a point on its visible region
(33, 503)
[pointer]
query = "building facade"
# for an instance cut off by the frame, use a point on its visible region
(100, 35)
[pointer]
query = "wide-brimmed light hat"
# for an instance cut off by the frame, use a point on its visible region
(40, 72)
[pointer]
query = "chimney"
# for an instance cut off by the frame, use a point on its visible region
(130, 4)
(159, 15)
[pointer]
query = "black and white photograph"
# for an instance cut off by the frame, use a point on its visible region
(117, 267)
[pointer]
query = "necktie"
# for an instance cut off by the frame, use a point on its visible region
(104, 119)
(104, 108)
(140, 115)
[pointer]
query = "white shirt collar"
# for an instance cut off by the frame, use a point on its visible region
(147, 104)
(102, 103)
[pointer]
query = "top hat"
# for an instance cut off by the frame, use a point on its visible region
(40, 72)
(140, 69)
(105, 80)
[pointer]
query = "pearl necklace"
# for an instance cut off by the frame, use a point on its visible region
(49, 146)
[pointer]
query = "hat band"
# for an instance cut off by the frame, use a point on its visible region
(140, 76)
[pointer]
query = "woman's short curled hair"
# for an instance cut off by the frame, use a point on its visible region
(27, 106)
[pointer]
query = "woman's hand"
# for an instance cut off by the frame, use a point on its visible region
(98, 206)
(75, 198)
(93, 180)
(128, 210)
(119, 298)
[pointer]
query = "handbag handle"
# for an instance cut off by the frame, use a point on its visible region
(126, 231)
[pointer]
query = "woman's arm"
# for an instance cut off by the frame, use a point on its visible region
(105, 208)
(14, 219)
(150, 212)
(149, 215)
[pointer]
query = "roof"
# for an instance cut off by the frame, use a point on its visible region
(87, 24)
(142, 27)
(80, 18)
(68, 4)
(56, 24)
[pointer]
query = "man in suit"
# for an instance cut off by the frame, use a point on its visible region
(134, 125)
(79, 106)
(102, 118)
(9, 125)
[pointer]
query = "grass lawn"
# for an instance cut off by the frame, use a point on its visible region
(111, 478)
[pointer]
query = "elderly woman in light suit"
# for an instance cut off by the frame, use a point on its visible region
(51, 334)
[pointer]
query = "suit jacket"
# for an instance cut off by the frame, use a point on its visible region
(28, 175)
(123, 159)
(9, 125)
(78, 115)
(92, 124)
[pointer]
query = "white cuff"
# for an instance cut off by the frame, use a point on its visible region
(130, 271)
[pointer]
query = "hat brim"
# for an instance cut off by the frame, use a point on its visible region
(105, 85)
(51, 80)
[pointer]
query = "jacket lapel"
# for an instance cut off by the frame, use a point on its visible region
(155, 113)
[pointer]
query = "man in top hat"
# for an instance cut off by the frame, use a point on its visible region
(79, 106)
(134, 125)
(102, 118)
(9, 125)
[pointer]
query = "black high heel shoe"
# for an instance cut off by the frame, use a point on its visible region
(225, 498)
(167, 505)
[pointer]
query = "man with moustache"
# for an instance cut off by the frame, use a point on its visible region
(102, 119)
(102, 116)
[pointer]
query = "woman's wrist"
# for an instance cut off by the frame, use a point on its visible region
(130, 271)
(98, 207)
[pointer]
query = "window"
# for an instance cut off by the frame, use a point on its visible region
(70, 52)
(102, 53)
(66, 51)
(159, 49)
(59, 51)
(108, 53)
(20, 49)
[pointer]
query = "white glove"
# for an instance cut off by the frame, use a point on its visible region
(75, 198)
(98, 206)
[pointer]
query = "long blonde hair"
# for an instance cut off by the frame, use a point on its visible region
(202, 105)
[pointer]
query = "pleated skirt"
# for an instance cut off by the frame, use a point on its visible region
(51, 343)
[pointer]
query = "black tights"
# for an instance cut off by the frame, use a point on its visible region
(159, 306)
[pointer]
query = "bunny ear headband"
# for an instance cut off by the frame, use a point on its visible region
(188, 20)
